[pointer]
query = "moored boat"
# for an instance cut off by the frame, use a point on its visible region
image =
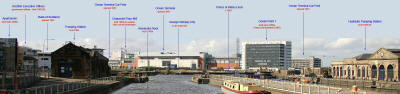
(233, 87)
(201, 79)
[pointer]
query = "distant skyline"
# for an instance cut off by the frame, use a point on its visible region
(327, 31)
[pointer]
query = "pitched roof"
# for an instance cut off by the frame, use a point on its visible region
(85, 50)
(363, 56)
(395, 51)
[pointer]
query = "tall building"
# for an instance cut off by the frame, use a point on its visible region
(8, 54)
(275, 55)
(310, 62)
(127, 59)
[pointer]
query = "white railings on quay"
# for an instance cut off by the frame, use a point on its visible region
(67, 87)
(286, 86)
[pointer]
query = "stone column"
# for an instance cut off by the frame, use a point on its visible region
(396, 72)
(386, 71)
(377, 72)
(339, 76)
(369, 72)
(334, 72)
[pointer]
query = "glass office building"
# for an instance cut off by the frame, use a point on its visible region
(274, 55)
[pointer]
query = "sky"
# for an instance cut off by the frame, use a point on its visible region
(328, 34)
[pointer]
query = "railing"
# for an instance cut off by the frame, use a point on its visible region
(286, 86)
(66, 87)
(22, 79)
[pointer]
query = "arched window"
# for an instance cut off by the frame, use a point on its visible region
(363, 72)
(358, 72)
(337, 71)
(366, 70)
(348, 71)
(341, 71)
(344, 71)
(381, 75)
(374, 72)
(334, 71)
(390, 72)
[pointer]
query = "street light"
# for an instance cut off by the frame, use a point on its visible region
(44, 42)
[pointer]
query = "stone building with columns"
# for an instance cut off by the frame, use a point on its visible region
(382, 65)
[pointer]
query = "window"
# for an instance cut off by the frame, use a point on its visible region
(166, 63)
(45, 58)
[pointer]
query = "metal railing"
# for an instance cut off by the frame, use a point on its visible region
(23, 79)
(66, 87)
(286, 86)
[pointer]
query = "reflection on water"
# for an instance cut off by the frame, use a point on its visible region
(169, 84)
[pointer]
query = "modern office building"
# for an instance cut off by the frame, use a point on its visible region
(44, 61)
(114, 64)
(169, 61)
(127, 59)
(30, 58)
(275, 55)
(310, 62)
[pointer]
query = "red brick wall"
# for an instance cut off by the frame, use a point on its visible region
(223, 65)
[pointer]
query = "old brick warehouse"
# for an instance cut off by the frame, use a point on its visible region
(71, 61)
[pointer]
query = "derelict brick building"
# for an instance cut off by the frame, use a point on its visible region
(71, 61)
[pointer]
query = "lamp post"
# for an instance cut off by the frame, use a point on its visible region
(44, 44)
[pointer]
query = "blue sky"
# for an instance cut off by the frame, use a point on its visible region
(327, 32)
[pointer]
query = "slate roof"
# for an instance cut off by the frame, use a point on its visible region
(363, 56)
(85, 50)
(395, 51)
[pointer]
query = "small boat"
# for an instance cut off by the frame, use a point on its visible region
(201, 79)
(233, 87)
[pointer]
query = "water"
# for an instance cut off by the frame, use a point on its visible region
(169, 84)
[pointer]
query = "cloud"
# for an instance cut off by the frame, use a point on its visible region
(214, 46)
(344, 43)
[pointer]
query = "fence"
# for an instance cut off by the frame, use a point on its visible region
(286, 86)
(24, 78)
(66, 87)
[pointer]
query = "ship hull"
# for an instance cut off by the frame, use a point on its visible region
(226, 90)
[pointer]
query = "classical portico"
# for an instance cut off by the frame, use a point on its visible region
(381, 65)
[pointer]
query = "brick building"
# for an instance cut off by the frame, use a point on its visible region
(223, 63)
(78, 62)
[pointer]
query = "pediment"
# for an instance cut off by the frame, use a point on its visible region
(383, 54)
